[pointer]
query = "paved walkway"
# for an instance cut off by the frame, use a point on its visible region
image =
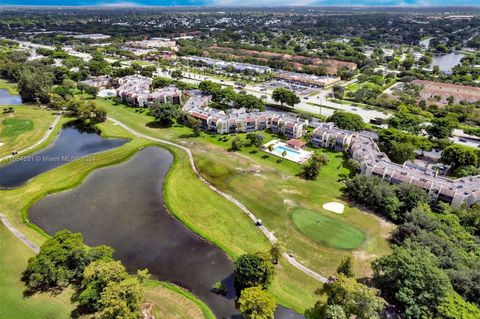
(43, 139)
(270, 236)
(19, 234)
(3, 218)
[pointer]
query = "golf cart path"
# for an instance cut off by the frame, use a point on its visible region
(19, 234)
(270, 236)
(43, 139)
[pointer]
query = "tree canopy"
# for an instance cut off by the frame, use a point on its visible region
(347, 121)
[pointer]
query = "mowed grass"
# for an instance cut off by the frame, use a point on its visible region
(327, 230)
(209, 214)
(16, 133)
(9, 86)
(169, 300)
(13, 305)
(172, 302)
(274, 190)
(15, 126)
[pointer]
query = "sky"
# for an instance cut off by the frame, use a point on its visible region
(132, 3)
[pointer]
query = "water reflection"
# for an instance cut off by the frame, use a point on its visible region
(72, 143)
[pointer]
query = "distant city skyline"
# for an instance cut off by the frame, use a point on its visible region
(256, 3)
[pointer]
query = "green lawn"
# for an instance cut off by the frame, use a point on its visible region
(170, 301)
(13, 260)
(17, 133)
(9, 86)
(327, 230)
(15, 126)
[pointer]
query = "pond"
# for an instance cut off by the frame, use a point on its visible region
(425, 43)
(9, 99)
(447, 62)
(71, 143)
(122, 206)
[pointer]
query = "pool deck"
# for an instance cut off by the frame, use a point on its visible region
(300, 159)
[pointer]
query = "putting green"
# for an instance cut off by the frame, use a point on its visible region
(15, 127)
(327, 230)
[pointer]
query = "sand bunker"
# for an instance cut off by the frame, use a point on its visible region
(334, 207)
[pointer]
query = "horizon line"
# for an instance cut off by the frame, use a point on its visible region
(135, 5)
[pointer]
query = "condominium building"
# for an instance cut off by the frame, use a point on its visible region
(306, 79)
(443, 91)
(135, 90)
(237, 121)
(374, 162)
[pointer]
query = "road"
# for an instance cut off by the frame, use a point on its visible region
(311, 104)
(267, 233)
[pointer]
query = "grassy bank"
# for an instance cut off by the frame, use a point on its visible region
(169, 300)
(9, 86)
(14, 256)
(14, 137)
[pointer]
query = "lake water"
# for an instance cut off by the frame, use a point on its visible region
(425, 43)
(8, 99)
(447, 62)
(122, 206)
(71, 143)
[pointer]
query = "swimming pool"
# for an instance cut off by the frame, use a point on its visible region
(290, 151)
(291, 154)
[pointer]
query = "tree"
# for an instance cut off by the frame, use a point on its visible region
(34, 86)
(347, 121)
(255, 139)
(312, 167)
(165, 113)
(354, 298)
(458, 156)
(252, 270)
(159, 82)
(338, 92)
(441, 128)
(237, 143)
(256, 303)
(335, 312)
(411, 278)
(86, 111)
(176, 74)
(121, 299)
(248, 102)
(194, 123)
(406, 122)
(61, 261)
(453, 306)
(92, 90)
(276, 252)
(346, 267)
(56, 102)
(96, 277)
(70, 84)
(353, 165)
(285, 96)
(401, 152)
